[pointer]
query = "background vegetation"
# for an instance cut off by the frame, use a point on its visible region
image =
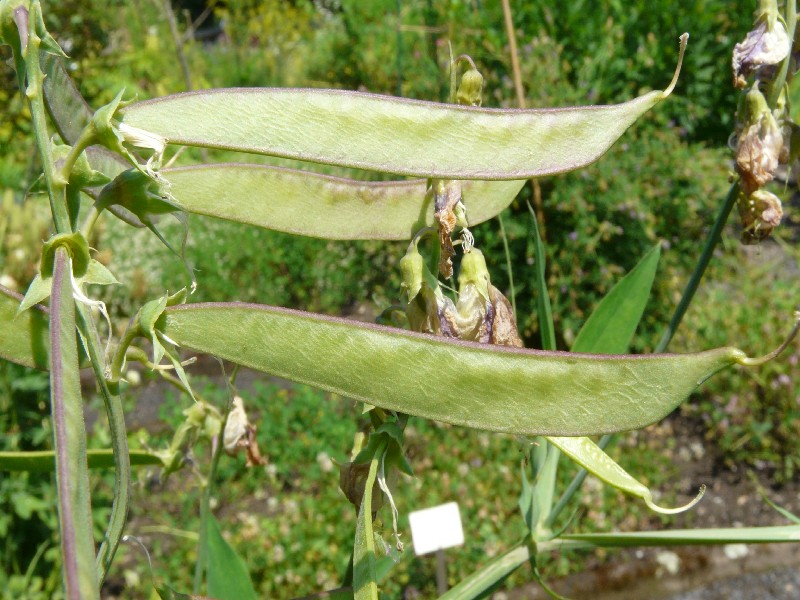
(663, 181)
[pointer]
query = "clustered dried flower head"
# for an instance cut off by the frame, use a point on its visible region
(763, 131)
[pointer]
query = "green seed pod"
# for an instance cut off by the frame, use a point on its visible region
(469, 92)
(474, 271)
(412, 268)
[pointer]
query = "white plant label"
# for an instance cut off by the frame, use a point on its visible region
(436, 528)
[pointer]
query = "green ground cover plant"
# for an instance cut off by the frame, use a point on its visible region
(434, 355)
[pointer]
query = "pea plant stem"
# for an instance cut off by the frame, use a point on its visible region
(205, 502)
(504, 237)
(56, 184)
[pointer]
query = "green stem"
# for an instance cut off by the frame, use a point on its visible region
(205, 503)
(56, 185)
(86, 139)
(119, 444)
(508, 264)
(712, 240)
(779, 82)
(90, 222)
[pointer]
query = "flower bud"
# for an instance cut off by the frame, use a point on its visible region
(412, 267)
(469, 92)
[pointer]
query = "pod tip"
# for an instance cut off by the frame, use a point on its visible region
(679, 509)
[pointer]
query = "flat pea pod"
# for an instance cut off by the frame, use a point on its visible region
(393, 135)
(503, 389)
(23, 339)
(591, 457)
(310, 204)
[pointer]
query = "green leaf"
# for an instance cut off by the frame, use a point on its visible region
(365, 576)
(613, 322)
(685, 537)
(394, 135)
(543, 309)
(69, 440)
(511, 390)
(38, 291)
(24, 337)
(306, 203)
(228, 578)
(69, 111)
(489, 575)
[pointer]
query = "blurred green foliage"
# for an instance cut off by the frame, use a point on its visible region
(663, 181)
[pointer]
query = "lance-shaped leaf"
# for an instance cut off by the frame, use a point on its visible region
(485, 387)
(24, 337)
(69, 439)
(393, 135)
(316, 205)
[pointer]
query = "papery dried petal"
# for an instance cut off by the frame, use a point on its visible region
(504, 325)
(758, 152)
(764, 46)
(447, 195)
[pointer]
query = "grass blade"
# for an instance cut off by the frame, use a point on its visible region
(543, 309)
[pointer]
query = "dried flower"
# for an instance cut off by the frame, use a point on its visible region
(760, 212)
(763, 48)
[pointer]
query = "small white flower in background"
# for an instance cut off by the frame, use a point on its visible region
(735, 551)
(325, 463)
(9, 282)
(670, 561)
